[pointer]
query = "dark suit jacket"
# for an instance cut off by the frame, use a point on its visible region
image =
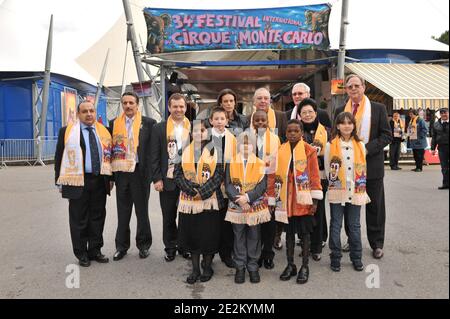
(143, 150)
(160, 158)
(72, 192)
(281, 124)
(253, 195)
(323, 116)
(380, 136)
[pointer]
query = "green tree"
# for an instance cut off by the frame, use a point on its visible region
(443, 38)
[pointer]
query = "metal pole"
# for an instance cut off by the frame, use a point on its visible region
(45, 89)
(339, 99)
(136, 54)
(102, 79)
(162, 81)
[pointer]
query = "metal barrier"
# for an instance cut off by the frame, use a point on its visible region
(30, 151)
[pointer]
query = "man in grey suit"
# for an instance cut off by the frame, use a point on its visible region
(375, 132)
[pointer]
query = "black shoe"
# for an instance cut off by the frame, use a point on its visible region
(143, 253)
(254, 277)
(119, 255)
(288, 272)
(378, 253)
(260, 262)
(169, 256)
(396, 168)
(443, 187)
(303, 275)
(100, 258)
(186, 255)
(335, 265)
(207, 274)
(416, 170)
(228, 262)
(358, 265)
(268, 263)
(316, 257)
(193, 278)
(346, 248)
(239, 276)
(84, 262)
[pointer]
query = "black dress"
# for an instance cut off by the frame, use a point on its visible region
(200, 233)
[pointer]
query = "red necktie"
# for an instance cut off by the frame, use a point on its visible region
(355, 109)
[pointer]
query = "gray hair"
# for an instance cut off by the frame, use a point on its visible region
(353, 75)
(302, 85)
(260, 89)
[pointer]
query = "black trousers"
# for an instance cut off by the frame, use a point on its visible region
(375, 213)
(169, 205)
(267, 238)
(319, 234)
(418, 157)
(131, 190)
(87, 218)
(444, 159)
(394, 153)
(226, 237)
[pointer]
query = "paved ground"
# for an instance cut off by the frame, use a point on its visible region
(35, 250)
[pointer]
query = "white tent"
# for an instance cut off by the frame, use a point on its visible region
(85, 29)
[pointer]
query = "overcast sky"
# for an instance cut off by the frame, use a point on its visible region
(80, 23)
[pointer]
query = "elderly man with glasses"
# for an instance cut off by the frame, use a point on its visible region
(374, 130)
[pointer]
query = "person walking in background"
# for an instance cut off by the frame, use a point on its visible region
(440, 140)
(398, 129)
(417, 138)
(345, 165)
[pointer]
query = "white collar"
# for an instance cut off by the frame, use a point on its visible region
(215, 133)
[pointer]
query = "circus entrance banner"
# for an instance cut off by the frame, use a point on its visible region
(303, 27)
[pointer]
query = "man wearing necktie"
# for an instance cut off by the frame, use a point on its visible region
(133, 188)
(375, 132)
(87, 210)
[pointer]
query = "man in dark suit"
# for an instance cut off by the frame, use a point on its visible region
(375, 132)
(87, 210)
(301, 91)
(163, 179)
(440, 140)
(133, 185)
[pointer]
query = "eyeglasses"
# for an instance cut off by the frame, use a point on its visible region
(306, 112)
(298, 93)
(354, 86)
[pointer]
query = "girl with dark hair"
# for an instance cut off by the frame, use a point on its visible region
(199, 177)
(297, 194)
(345, 166)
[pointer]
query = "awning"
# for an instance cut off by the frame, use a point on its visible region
(409, 85)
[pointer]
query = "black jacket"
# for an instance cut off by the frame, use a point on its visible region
(439, 134)
(143, 150)
(72, 192)
(380, 136)
(159, 157)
